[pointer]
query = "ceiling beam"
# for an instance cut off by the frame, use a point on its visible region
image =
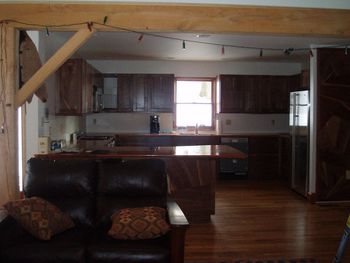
(187, 18)
(52, 64)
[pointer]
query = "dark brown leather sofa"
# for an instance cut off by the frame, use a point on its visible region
(90, 191)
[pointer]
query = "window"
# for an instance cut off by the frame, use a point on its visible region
(194, 103)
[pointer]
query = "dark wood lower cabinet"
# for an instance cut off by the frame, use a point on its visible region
(285, 158)
(166, 140)
(263, 158)
(192, 185)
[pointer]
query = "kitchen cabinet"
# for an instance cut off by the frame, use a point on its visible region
(165, 140)
(285, 156)
(160, 93)
(144, 93)
(140, 98)
(74, 89)
(232, 94)
(124, 93)
(255, 94)
(263, 157)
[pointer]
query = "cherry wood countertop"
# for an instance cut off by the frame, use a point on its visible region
(200, 151)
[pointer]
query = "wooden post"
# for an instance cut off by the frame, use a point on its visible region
(61, 55)
(8, 170)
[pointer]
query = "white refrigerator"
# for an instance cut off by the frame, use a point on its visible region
(299, 129)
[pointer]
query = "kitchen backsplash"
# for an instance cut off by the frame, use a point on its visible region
(126, 122)
(227, 123)
(252, 123)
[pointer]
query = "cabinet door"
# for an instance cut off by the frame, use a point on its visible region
(140, 93)
(251, 85)
(294, 83)
(124, 93)
(87, 88)
(69, 88)
(263, 158)
(279, 94)
(264, 94)
(232, 94)
(160, 93)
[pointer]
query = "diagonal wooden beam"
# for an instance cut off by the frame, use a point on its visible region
(50, 66)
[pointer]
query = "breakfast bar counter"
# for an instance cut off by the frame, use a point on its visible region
(192, 171)
(197, 151)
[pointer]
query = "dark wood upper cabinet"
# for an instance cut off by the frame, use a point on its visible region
(144, 93)
(74, 89)
(140, 98)
(124, 93)
(232, 94)
(160, 93)
(256, 94)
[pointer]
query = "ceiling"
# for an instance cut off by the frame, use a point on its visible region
(126, 45)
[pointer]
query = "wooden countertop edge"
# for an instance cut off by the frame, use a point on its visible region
(188, 135)
(204, 151)
(146, 156)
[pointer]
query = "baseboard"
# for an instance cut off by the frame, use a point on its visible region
(311, 197)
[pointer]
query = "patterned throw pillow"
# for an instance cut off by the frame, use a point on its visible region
(139, 223)
(39, 217)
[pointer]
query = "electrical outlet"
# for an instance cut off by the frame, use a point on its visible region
(228, 122)
(347, 174)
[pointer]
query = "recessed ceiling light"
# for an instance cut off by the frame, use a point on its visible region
(202, 35)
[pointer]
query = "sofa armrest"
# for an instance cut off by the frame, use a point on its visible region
(178, 226)
(176, 216)
(3, 214)
(10, 231)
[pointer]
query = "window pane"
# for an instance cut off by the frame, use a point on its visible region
(193, 91)
(192, 114)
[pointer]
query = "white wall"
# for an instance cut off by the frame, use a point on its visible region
(340, 4)
(139, 122)
(32, 113)
(40, 117)
(195, 69)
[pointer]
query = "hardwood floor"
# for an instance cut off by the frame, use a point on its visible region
(266, 220)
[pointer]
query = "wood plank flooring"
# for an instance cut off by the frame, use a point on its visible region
(266, 220)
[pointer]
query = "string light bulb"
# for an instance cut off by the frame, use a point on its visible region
(223, 50)
(183, 44)
(311, 53)
(346, 50)
(89, 25)
(261, 53)
(140, 38)
(288, 51)
(47, 31)
(105, 20)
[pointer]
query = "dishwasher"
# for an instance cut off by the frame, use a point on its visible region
(235, 168)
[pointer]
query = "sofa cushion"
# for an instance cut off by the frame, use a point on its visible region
(139, 223)
(67, 247)
(104, 248)
(129, 184)
(39, 217)
(68, 184)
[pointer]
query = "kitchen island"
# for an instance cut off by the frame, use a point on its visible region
(192, 171)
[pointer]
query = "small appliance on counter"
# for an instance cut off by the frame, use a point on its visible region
(154, 124)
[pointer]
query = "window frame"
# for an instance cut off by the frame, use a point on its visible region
(213, 81)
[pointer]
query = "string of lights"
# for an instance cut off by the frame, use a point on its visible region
(141, 34)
